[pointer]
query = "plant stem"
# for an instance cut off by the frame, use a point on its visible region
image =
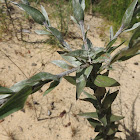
(72, 70)
(118, 33)
(83, 34)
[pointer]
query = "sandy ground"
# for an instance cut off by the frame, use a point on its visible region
(57, 111)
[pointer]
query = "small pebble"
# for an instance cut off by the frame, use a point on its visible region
(52, 106)
(36, 103)
(136, 63)
(49, 113)
(34, 64)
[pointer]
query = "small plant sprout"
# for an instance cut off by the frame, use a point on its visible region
(90, 64)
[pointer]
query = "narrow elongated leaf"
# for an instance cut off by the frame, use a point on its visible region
(4, 90)
(105, 81)
(3, 100)
(136, 25)
(135, 39)
(34, 13)
(45, 15)
(115, 118)
(57, 34)
(82, 2)
(73, 19)
(15, 103)
(88, 70)
(71, 79)
(125, 54)
(89, 115)
(111, 43)
(35, 81)
(18, 86)
(72, 60)
(62, 64)
(108, 100)
(80, 53)
(103, 58)
(128, 15)
(42, 32)
(52, 86)
(43, 76)
(89, 95)
(80, 83)
(111, 49)
(3, 96)
(89, 43)
(93, 122)
(78, 11)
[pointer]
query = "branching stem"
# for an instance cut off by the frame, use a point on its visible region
(72, 70)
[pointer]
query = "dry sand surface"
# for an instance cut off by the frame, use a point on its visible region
(57, 111)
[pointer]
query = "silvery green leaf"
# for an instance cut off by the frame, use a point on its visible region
(51, 87)
(105, 81)
(98, 50)
(114, 118)
(42, 76)
(62, 64)
(80, 53)
(82, 2)
(18, 86)
(45, 15)
(135, 39)
(88, 70)
(73, 19)
(113, 48)
(128, 15)
(136, 25)
(125, 54)
(89, 115)
(111, 33)
(72, 60)
(132, 50)
(4, 90)
(89, 43)
(35, 81)
(80, 82)
(15, 103)
(89, 95)
(4, 96)
(42, 32)
(103, 58)
(3, 100)
(57, 34)
(34, 13)
(71, 79)
(78, 11)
